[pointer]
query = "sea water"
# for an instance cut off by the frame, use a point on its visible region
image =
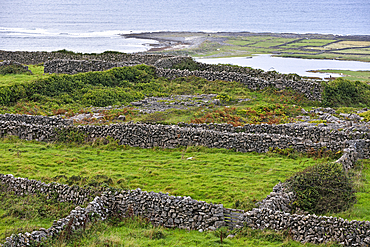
(302, 67)
(93, 26)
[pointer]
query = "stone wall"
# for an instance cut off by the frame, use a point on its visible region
(60, 192)
(168, 63)
(77, 66)
(37, 57)
(353, 142)
(161, 209)
(170, 136)
(35, 119)
(310, 228)
(312, 131)
(186, 213)
(311, 89)
(16, 64)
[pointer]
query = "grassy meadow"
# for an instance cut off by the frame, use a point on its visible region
(284, 45)
(212, 175)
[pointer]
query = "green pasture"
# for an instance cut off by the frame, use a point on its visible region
(212, 175)
(315, 48)
(363, 75)
(11, 79)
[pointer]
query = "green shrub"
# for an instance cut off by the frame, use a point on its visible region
(188, 64)
(109, 96)
(365, 115)
(224, 97)
(341, 92)
(14, 69)
(323, 188)
(76, 86)
(68, 135)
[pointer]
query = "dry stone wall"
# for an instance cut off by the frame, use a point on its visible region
(78, 66)
(250, 138)
(169, 136)
(169, 62)
(35, 119)
(37, 57)
(184, 212)
(13, 63)
(60, 192)
(314, 132)
(310, 228)
(311, 89)
(161, 209)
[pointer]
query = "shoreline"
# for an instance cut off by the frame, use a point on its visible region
(241, 44)
(169, 39)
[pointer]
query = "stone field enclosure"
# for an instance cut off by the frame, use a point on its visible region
(115, 149)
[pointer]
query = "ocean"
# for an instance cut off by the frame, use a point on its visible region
(94, 26)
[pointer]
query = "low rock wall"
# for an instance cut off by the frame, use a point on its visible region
(169, 62)
(16, 64)
(184, 212)
(311, 89)
(249, 138)
(305, 131)
(35, 119)
(60, 192)
(161, 209)
(78, 66)
(37, 57)
(310, 228)
(170, 136)
(311, 131)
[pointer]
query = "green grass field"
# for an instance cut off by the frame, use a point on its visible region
(37, 73)
(212, 175)
(351, 75)
(325, 47)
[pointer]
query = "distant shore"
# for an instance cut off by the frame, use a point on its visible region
(229, 44)
(170, 39)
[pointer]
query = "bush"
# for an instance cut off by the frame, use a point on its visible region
(365, 115)
(341, 92)
(14, 69)
(323, 188)
(188, 64)
(57, 86)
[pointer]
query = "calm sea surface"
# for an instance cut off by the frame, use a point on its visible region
(284, 65)
(93, 26)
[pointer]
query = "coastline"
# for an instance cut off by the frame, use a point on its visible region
(236, 44)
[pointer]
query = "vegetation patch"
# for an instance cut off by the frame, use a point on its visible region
(14, 69)
(323, 188)
(341, 92)
(28, 212)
